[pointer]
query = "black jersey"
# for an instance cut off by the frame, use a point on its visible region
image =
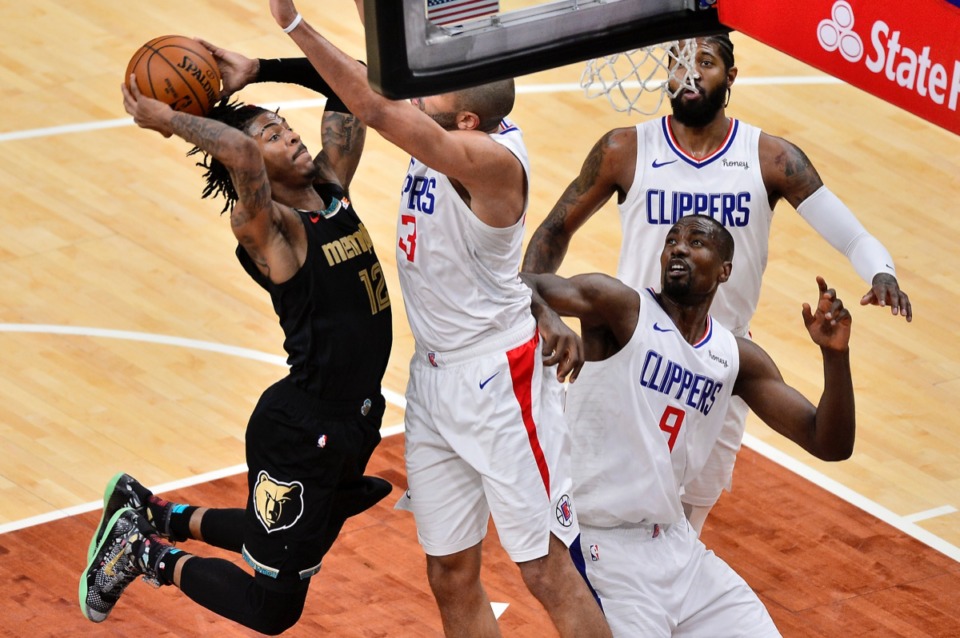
(335, 311)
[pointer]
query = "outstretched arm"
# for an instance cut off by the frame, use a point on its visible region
(491, 175)
(607, 308)
(788, 173)
(827, 430)
(608, 169)
(343, 135)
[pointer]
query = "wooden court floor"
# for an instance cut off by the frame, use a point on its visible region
(131, 339)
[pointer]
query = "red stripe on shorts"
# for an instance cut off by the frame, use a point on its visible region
(522, 361)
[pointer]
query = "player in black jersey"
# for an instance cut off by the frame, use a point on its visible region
(312, 433)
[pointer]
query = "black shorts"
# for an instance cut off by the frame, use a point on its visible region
(300, 451)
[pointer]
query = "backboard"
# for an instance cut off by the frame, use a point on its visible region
(410, 55)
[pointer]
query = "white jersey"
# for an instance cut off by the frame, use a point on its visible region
(727, 185)
(644, 421)
(459, 276)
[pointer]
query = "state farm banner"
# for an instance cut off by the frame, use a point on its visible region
(905, 52)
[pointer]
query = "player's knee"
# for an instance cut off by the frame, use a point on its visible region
(452, 576)
(278, 611)
(547, 577)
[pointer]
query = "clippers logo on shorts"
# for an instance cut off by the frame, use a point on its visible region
(564, 511)
(278, 505)
(594, 553)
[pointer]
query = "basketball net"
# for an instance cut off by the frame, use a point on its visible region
(637, 80)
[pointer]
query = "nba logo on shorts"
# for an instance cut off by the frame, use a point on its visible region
(432, 357)
(564, 511)
(594, 553)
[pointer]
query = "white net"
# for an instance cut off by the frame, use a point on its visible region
(638, 80)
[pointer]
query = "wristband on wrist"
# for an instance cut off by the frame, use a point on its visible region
(293, 25)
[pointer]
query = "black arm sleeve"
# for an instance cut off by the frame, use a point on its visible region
(299, 71)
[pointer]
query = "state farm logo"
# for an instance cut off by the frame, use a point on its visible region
(905, 63)
(836, 32)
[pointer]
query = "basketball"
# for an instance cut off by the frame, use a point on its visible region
(178, 71)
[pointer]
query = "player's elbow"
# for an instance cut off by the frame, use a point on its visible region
(837, 455)
(835, 451)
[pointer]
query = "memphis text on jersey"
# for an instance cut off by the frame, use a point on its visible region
(348, 246)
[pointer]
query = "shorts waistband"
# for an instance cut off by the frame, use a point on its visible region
(370, 404)
(500, 342)
(648, 530)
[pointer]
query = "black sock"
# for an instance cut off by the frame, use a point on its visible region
(179, 523)
(170, 519)
(157, 556)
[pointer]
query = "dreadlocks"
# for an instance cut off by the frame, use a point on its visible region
(237, 115)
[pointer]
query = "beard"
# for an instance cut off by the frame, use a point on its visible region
(448, 121)
(700, 113)
(675, 289)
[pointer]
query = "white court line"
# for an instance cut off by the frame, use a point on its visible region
(931, 513)
(209, 346)
(522, 89)
(901, 523)
(180, 342)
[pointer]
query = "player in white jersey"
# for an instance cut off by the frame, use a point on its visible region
(645, 413)
(699, 161)
(484, 423)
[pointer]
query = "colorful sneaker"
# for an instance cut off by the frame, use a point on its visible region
(118, 559)
(122, 491)
(125, 491)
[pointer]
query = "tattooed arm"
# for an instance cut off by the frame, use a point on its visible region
(255, 219)
(343, 139)
(608, 169)
(787, 172)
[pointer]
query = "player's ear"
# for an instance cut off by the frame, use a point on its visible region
(731, 76)
(725, 271)
(468, 121)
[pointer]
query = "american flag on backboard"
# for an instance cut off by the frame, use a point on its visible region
(448, 12)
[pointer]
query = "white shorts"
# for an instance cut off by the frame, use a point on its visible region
(660, 581)
(485, 435)
(717, 474)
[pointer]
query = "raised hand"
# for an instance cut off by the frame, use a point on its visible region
(829, 324)
(236, 70)
(147, 112)
(886, 292)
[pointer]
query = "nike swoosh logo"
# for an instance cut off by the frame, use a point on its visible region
(484, 383)
(108, 568)
(657, 164)
(659, 329)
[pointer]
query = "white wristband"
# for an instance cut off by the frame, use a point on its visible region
(293, 25)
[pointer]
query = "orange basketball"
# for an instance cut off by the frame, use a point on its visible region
(179, 71)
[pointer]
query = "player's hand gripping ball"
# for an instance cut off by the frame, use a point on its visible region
(178, 71)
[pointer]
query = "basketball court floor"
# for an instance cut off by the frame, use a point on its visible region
(131, 339)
